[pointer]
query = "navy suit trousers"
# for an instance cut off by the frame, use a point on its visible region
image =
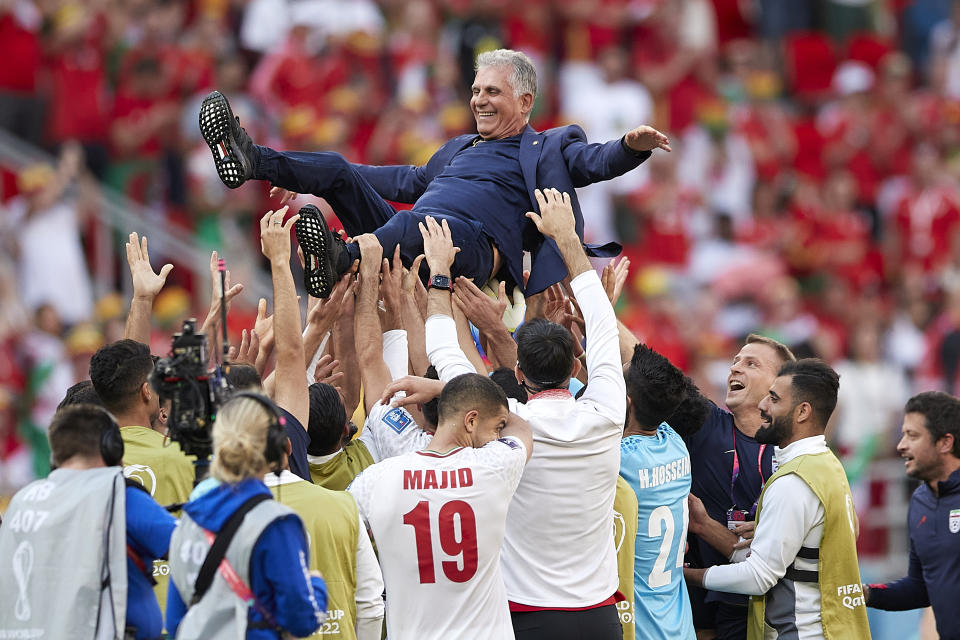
(362, 210)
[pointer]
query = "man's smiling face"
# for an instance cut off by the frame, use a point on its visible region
(751, 374)
(498, 112)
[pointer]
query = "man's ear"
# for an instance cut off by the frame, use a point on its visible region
(526, 103)
(146, 392)
(945, 443)
(802, 412)
(518, 374)
(470, 420)
(576, 368)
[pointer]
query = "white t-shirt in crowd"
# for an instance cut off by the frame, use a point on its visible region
(559, 552)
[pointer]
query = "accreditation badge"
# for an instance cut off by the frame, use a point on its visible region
(954, 520)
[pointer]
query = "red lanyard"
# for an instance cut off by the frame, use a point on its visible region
(736, 470)
(240, 588)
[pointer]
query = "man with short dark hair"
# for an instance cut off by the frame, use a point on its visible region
(802, 570)
(332, 465)
(931, 446)
(482, 185)
(544, 354)
(85, 494)
(438, 516)
(120, 374)
(655, 463)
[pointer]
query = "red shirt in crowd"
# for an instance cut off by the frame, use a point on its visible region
(20, 50)
(926, 221)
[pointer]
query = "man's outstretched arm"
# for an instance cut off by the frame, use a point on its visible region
(594, 162)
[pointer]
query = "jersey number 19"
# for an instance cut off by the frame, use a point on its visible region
(464, 544)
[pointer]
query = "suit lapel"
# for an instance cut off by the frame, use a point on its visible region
(531, 144)
(465, 141)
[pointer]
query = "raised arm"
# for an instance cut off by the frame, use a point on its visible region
(606, 389)
(412, 319)
(465, 339)
(146, 286)
(614, 276)
(520, 429)
(324, 314)
(290, 376)
(443, 347)
(374, 372)
(345, 350)
(211, 325)
(589, 163)
(556, 222)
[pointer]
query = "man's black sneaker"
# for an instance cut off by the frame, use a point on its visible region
(324, 252)
(232, 148)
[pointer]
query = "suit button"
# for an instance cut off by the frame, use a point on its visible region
(536, 142)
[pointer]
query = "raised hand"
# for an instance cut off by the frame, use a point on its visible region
(613, 278)
(216, 294)
(411, 276)
(326, 312)
(325, 372)
(646, 138)
(391, 282)
(418, 390)
(263, 327)
(562, 309)
(146, 284)
(275, 235)
(556, 214)
(438, 245)
(284, 194)
(482, 310)
(248, 350)
(371, 253)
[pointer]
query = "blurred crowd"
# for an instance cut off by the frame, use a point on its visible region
(812, 193)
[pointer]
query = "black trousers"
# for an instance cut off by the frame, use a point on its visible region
(731, 621)
(602, 623)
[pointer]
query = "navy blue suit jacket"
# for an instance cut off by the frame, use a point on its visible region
(560, 158)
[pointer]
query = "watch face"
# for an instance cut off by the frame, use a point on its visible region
(440, 282)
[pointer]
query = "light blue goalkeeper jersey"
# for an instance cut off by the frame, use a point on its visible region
(657, 468)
